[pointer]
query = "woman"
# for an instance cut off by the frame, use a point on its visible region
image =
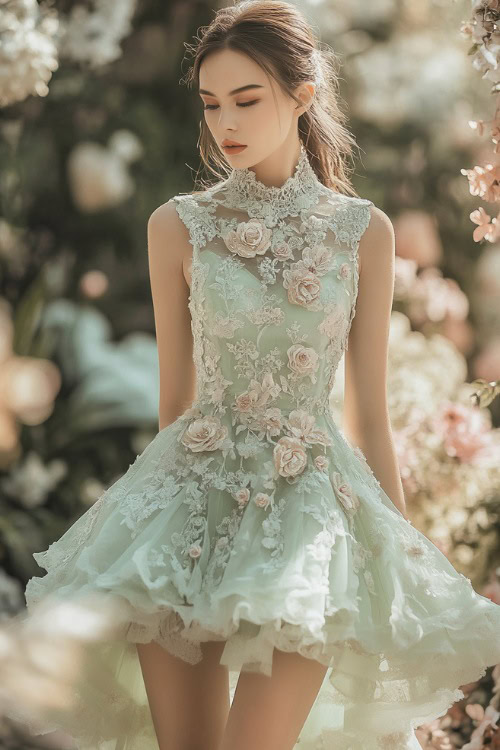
(251, 537)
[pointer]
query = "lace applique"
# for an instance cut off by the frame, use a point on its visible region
(268, 262)
(299, 192)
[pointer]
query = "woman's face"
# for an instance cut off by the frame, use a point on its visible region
(259, 117)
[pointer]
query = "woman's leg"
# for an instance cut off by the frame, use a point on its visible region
(267, 713)
(189, 702)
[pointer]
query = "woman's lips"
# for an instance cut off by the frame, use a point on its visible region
(233, 149)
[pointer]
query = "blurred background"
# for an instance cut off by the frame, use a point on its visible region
(97, 130)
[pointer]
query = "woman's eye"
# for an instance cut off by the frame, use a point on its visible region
(241, 104)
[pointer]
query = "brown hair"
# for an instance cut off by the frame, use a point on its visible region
(278, 38)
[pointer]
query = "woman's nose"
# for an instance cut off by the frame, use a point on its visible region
(227, 119)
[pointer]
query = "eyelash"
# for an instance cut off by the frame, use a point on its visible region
(242, 104)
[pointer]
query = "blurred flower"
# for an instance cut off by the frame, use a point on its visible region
(94, 284)
(417, 237)
(460, 332)
(44, 653)
(488, 719)
(448, 453)
(422, 371)
(405, 274)
(98, 177)
(28, 51)
(126, 145)
(435, 298)
(391, 94)
(32, 480)
(465, 430)
(28, 386)
(93, 36)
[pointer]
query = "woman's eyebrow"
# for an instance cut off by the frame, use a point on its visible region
(234, 91)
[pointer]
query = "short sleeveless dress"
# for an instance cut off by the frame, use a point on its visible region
(252, 519)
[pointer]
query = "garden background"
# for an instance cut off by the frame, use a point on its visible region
(97, 130)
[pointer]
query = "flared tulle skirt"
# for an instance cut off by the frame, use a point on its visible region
(358, 589)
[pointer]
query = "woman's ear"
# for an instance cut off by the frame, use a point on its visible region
(305, 92)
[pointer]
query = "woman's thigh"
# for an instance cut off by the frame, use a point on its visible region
(267, 713)
(189, 702)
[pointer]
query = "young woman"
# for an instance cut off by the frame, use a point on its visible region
(252, 538)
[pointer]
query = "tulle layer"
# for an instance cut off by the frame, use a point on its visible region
(364, 593)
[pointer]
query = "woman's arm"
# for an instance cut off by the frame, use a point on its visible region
(168, 249)
(366, 420)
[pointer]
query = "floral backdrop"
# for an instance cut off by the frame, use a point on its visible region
(96, 132)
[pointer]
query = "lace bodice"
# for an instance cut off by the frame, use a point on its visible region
(273, 292)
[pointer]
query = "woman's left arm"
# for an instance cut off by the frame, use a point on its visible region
(366, 420)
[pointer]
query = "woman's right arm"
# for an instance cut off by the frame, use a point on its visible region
(168, 249)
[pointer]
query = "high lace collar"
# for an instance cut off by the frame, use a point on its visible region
(268, 202)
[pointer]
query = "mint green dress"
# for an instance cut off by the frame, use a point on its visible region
(251, 518)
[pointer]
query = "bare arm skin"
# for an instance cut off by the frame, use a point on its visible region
(169, 252)
(366, 420)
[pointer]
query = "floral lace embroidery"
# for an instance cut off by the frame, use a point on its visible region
(274, 281)
(268, 263)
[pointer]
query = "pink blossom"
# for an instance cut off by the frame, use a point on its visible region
(262, 500)
(242, 496)
(465, 431)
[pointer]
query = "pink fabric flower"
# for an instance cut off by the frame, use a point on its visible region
(257, 394)
(290, 457)
(251, 238)
(333, 324)
(302, 426)
(195, 550)
(303, 287)
(303, 360)
(318, 260)
(321, 463)
(262, 500)
(271, 421)
(282, 252)
(242, 496)
(345, 494)
(204, 434)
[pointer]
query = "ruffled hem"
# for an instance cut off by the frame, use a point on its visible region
(367, 701)
(398, 628)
